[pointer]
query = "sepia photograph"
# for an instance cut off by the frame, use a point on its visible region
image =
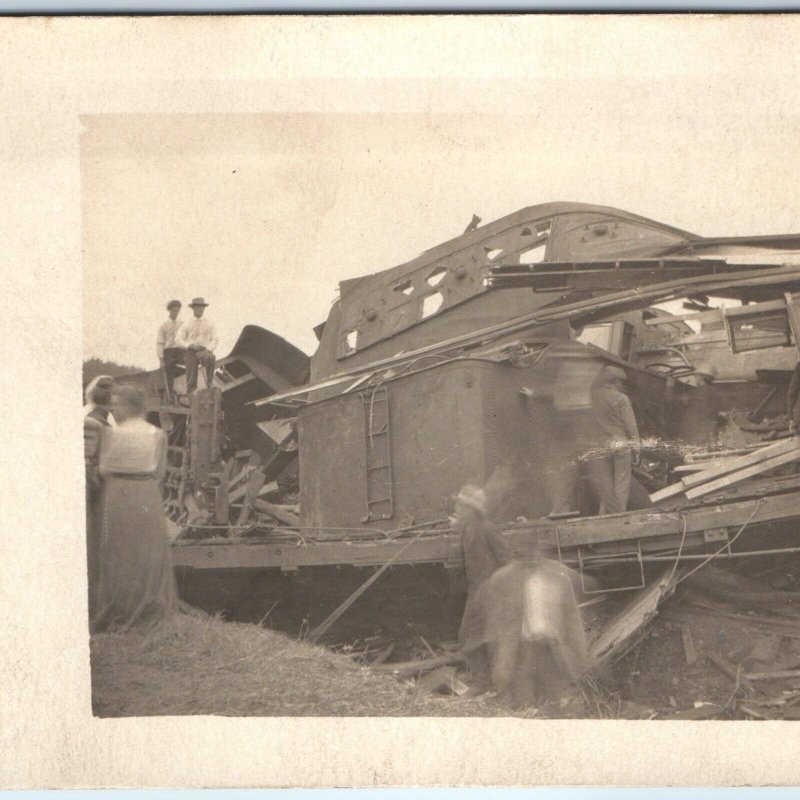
(438, 385)
(545, 466)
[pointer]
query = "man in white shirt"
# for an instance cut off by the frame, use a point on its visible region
(170, 353)
(199, 337)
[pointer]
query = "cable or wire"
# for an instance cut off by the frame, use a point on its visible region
(726, 545)
(680, 550)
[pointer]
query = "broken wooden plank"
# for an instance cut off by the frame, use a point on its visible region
(773, 676)
(255, 482)
(692, 458)
(279, 512)
(268, 488)
(698, 466)
(626, 629)
(734, 673)
(791, 445)
(666, 492)
(406, 668)
(740, 475)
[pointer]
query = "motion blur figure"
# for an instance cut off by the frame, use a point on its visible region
(485, 551)
(97, 419)
(617, 442)
(526, 624)
(135, 582)
(702, 415)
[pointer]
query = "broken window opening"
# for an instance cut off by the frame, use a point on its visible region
(493, 254)
(406, 287)
(436, 277)
(351, 338)
(533, 255)
(542, 229)
(759, 330)
(431, 304)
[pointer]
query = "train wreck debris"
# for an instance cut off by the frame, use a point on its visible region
(507, 358)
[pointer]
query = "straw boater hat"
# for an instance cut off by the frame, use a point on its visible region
(472, 496)
(198, 301)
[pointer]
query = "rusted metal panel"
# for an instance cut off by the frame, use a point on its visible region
(436, 440)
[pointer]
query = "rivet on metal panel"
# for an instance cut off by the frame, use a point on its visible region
(460, 273)
(371, 314)
(210, 554)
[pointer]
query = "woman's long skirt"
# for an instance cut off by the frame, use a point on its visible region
(135, 580)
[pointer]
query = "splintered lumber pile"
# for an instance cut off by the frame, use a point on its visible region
(720, 473)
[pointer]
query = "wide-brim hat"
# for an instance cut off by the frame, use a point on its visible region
(472, 496)
(198, 301)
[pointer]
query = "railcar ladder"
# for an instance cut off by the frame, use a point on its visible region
(380, 498)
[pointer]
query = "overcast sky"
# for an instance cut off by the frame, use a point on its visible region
(264, 214)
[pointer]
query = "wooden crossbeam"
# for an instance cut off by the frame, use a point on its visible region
(733, 465)
(740, 475)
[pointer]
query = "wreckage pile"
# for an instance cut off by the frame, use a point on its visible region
(716, 643)
(715, 471)
(710, 643)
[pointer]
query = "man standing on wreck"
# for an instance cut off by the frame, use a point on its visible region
(199, 337)
(617, 442)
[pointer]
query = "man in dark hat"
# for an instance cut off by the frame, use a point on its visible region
(617, 442)
(199, 337)
(170, 354)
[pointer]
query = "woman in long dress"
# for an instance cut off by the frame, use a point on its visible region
(97, 418)
(135, 581)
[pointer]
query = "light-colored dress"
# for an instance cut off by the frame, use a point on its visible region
(135, 581)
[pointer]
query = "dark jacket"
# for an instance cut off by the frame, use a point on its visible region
(485, 551)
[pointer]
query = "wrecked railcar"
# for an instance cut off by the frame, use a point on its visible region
(474, 363)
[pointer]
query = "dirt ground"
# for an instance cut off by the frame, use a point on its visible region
(254, 661)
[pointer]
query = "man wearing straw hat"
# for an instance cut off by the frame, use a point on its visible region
(199, 337)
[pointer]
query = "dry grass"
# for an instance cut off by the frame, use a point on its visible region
(203, 665)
